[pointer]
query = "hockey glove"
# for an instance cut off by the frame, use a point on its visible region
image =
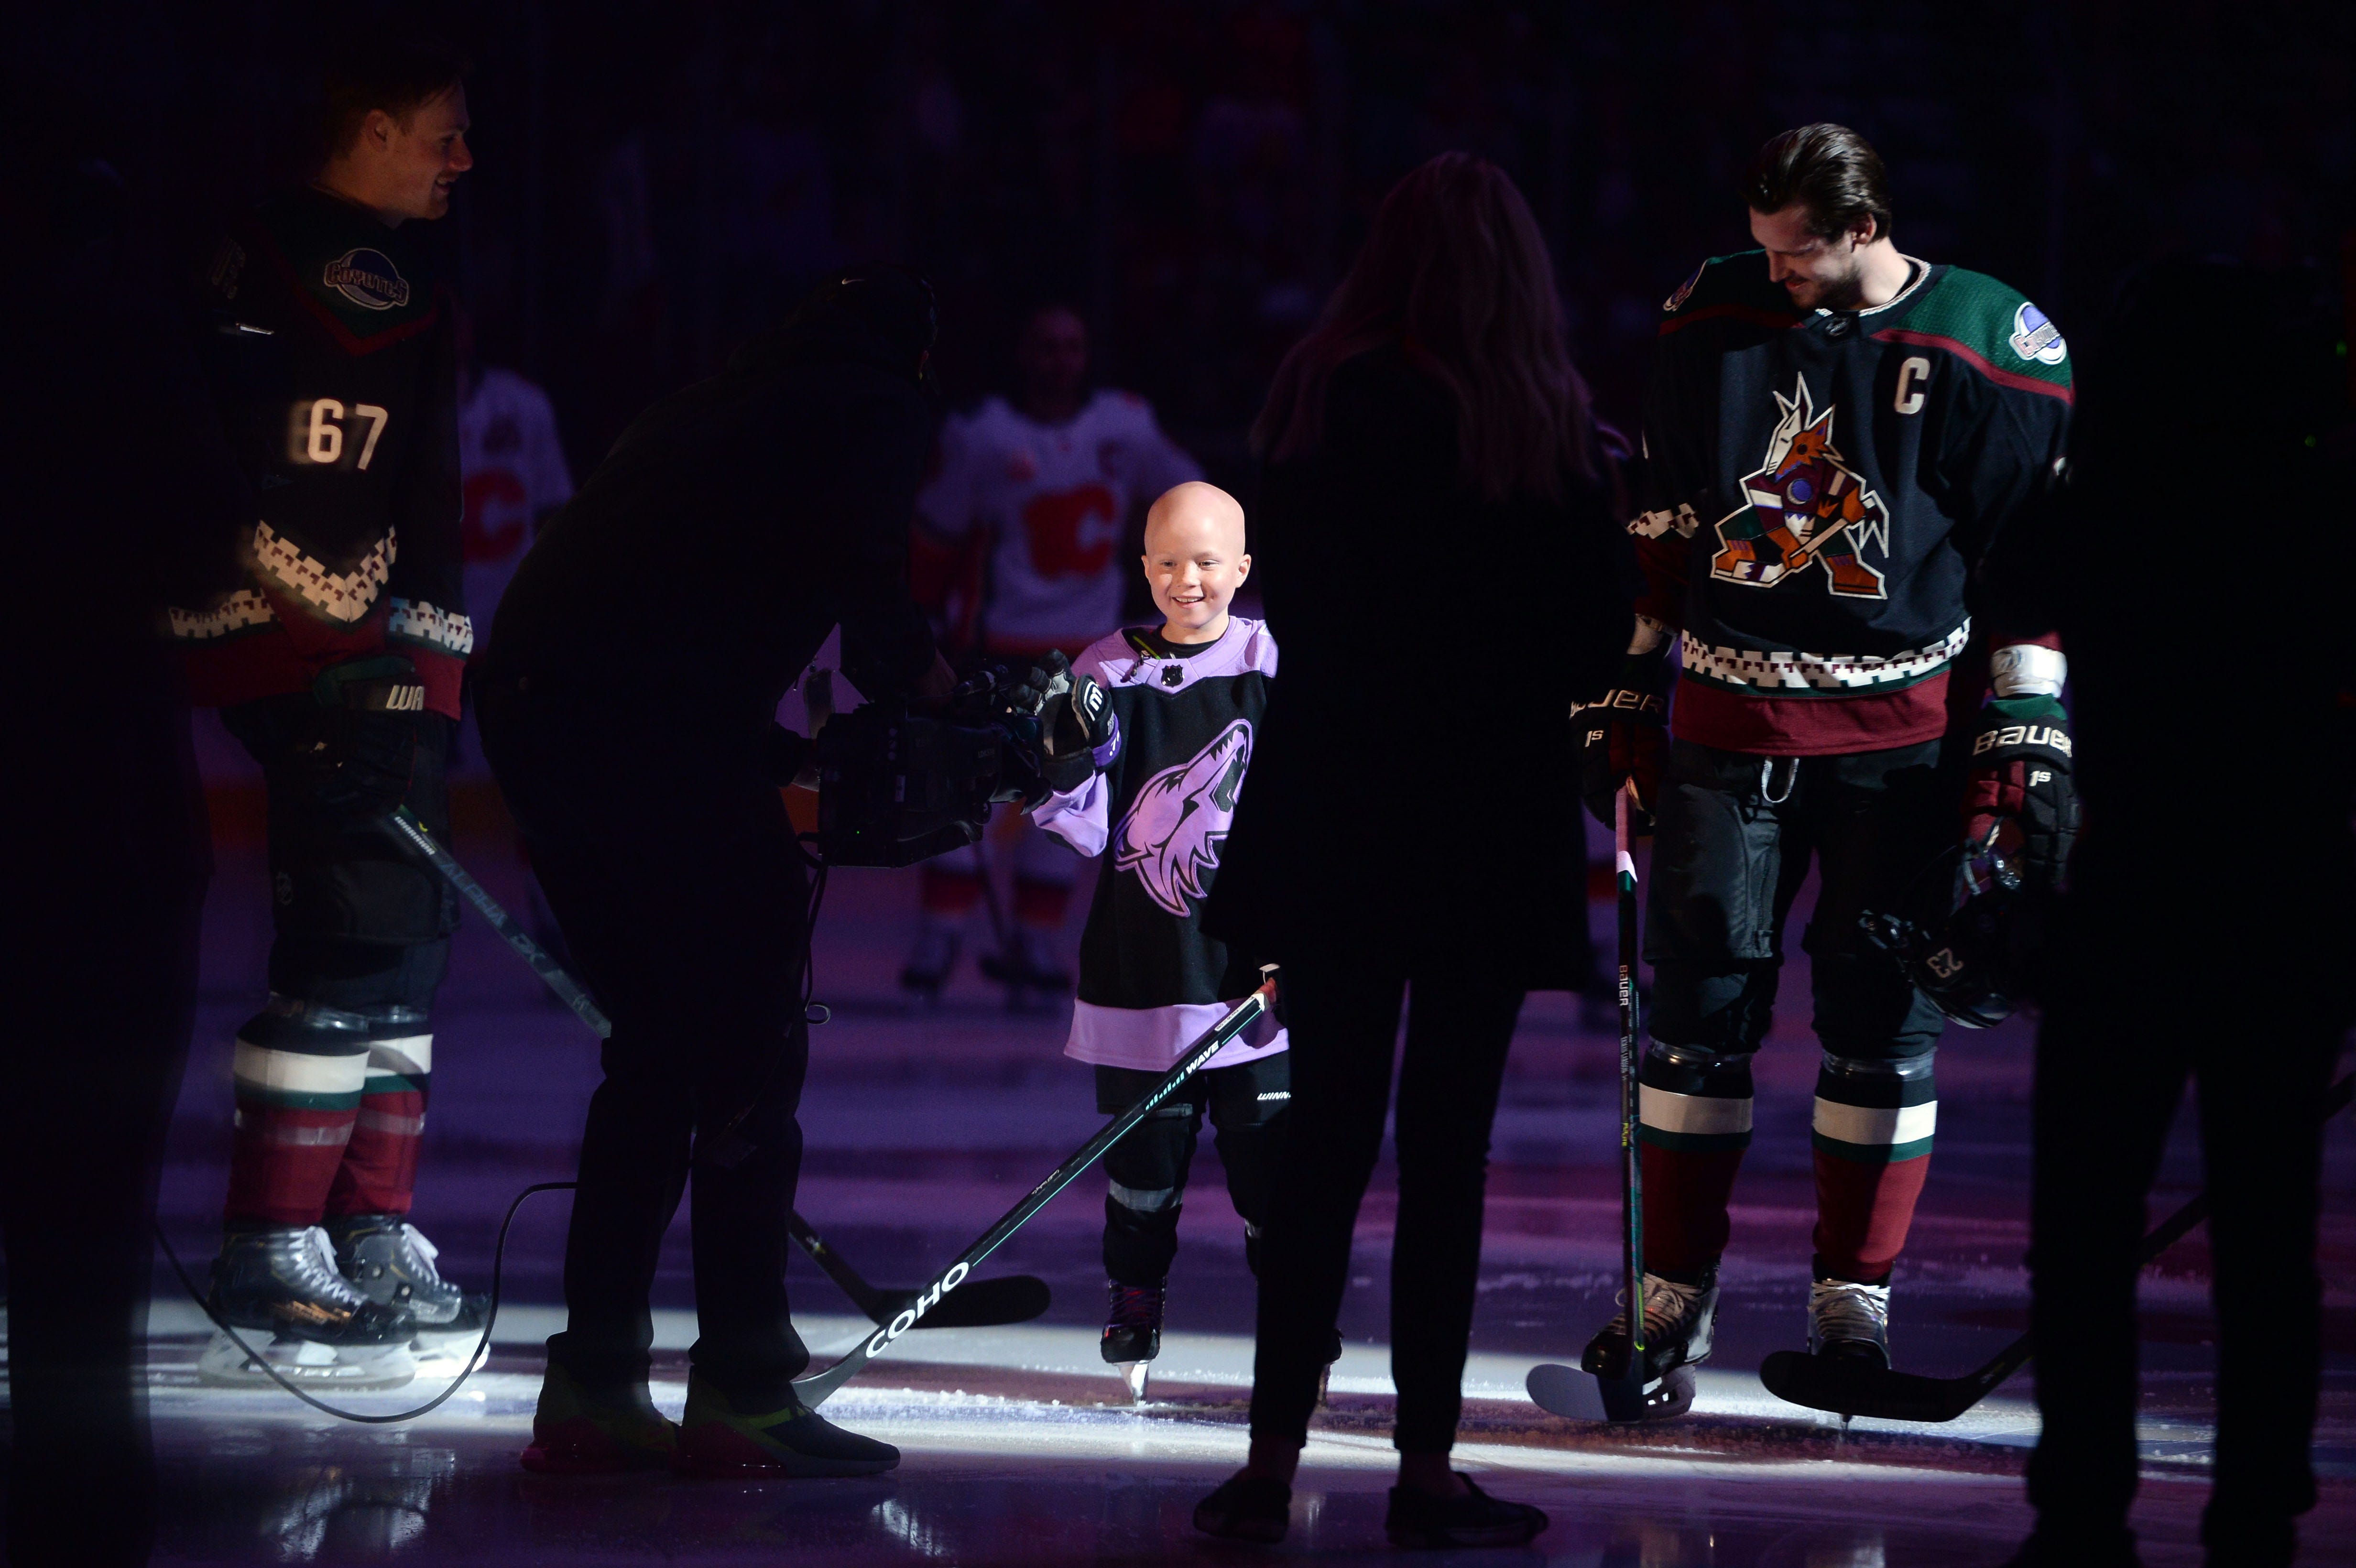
(2019, 784)
(1624, 736)
(361, 756)
(1076, 723)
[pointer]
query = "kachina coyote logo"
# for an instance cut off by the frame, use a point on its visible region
(1171, 835)
(1804, 507)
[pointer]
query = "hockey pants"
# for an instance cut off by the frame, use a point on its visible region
(1343, 1018)
(332, 1076)
(2260, 1058)
(671, 868)
(1735, 837)
(1146, 1172)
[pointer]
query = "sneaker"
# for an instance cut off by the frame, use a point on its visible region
(930, 962)
(1420, 1520)
(1851, 1321)
(717, 1442)
(1133, 1330)
(577, 1433)
(1257, 1509)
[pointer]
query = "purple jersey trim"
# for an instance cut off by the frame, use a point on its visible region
(1246, 645)
(1151, 1039)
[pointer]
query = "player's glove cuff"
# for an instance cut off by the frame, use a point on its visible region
(1623, 735)
(2034, 728)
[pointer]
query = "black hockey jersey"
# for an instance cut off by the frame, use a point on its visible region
(331, 349)
(1158, 810)
(1816, 491)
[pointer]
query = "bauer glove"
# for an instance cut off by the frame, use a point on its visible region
(362, 752)
(1624, 736)
(2020, 785)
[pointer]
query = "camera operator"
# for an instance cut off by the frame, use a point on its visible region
(626, 697)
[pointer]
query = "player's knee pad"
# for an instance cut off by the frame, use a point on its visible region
(1876, 1110)
(1693, 1098)
(1146, 1172)
(297, 1054)
(401, 1049)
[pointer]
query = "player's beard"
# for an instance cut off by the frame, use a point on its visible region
(1843, 290)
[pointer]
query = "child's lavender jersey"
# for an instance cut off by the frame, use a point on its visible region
(1150, 982)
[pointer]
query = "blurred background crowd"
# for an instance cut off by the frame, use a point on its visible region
(656, 181)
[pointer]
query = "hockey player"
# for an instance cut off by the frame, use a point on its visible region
(1035, 496)
(337, 667)
(1156, 782)
(1834, 432)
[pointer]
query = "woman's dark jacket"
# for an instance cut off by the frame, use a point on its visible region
(1414, 790)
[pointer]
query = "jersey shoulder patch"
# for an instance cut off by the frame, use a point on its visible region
(1723, 286)
(1991, 326)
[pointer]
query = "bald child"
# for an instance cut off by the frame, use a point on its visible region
(1186, 700)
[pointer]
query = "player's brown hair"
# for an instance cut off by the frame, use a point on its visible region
(398, 75)
(1455, 272)
(1831, 170)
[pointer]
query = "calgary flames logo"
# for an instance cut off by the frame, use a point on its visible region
(1804, 507)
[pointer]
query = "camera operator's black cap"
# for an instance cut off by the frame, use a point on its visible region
(874, 312)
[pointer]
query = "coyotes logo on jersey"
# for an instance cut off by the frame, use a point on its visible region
(1804, 506)
(1171, 835)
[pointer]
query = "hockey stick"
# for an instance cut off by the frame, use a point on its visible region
(816, 1389)
(1017, 1299)
(1567, 1391)
(1844, 1389)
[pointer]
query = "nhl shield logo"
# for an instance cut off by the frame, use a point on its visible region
(368, 278)
(1804, 506)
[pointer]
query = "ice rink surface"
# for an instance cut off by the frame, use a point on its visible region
(1020, 1445)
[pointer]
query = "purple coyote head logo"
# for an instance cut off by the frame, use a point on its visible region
(1171, 835)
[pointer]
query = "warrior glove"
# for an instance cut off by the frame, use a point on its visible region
(362, 753)
(1624, 738)
(2019, 786)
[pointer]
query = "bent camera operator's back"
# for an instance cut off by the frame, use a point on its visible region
(736, 522)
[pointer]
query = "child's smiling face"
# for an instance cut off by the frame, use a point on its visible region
(1195, 559)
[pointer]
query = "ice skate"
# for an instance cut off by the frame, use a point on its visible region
(278, 1287)
(391, 1261)
(1679, 1319)
(1028, 968)
(718, 1442)
(1849, 1322)
(1132, 1331)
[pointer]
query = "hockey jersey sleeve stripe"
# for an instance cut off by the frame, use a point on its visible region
(1770, 318)
(1977, 361)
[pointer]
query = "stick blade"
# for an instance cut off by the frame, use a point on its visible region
(981, 1303)
(1566, 1392)
(1845, 1387)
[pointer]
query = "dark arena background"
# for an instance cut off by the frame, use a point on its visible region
(653, 184)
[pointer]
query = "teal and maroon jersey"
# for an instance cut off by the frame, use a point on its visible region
(1816, 490)
(331, 350)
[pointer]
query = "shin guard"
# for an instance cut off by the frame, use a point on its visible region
(1694, 1122)
(299, 1073)
(1874, 1123)
(378, 1174)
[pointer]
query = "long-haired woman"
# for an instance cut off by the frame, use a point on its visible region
(1441, 564)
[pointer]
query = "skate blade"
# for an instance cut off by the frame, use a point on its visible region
(1135, 1373)
(304, 1364)
(447, 1355)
